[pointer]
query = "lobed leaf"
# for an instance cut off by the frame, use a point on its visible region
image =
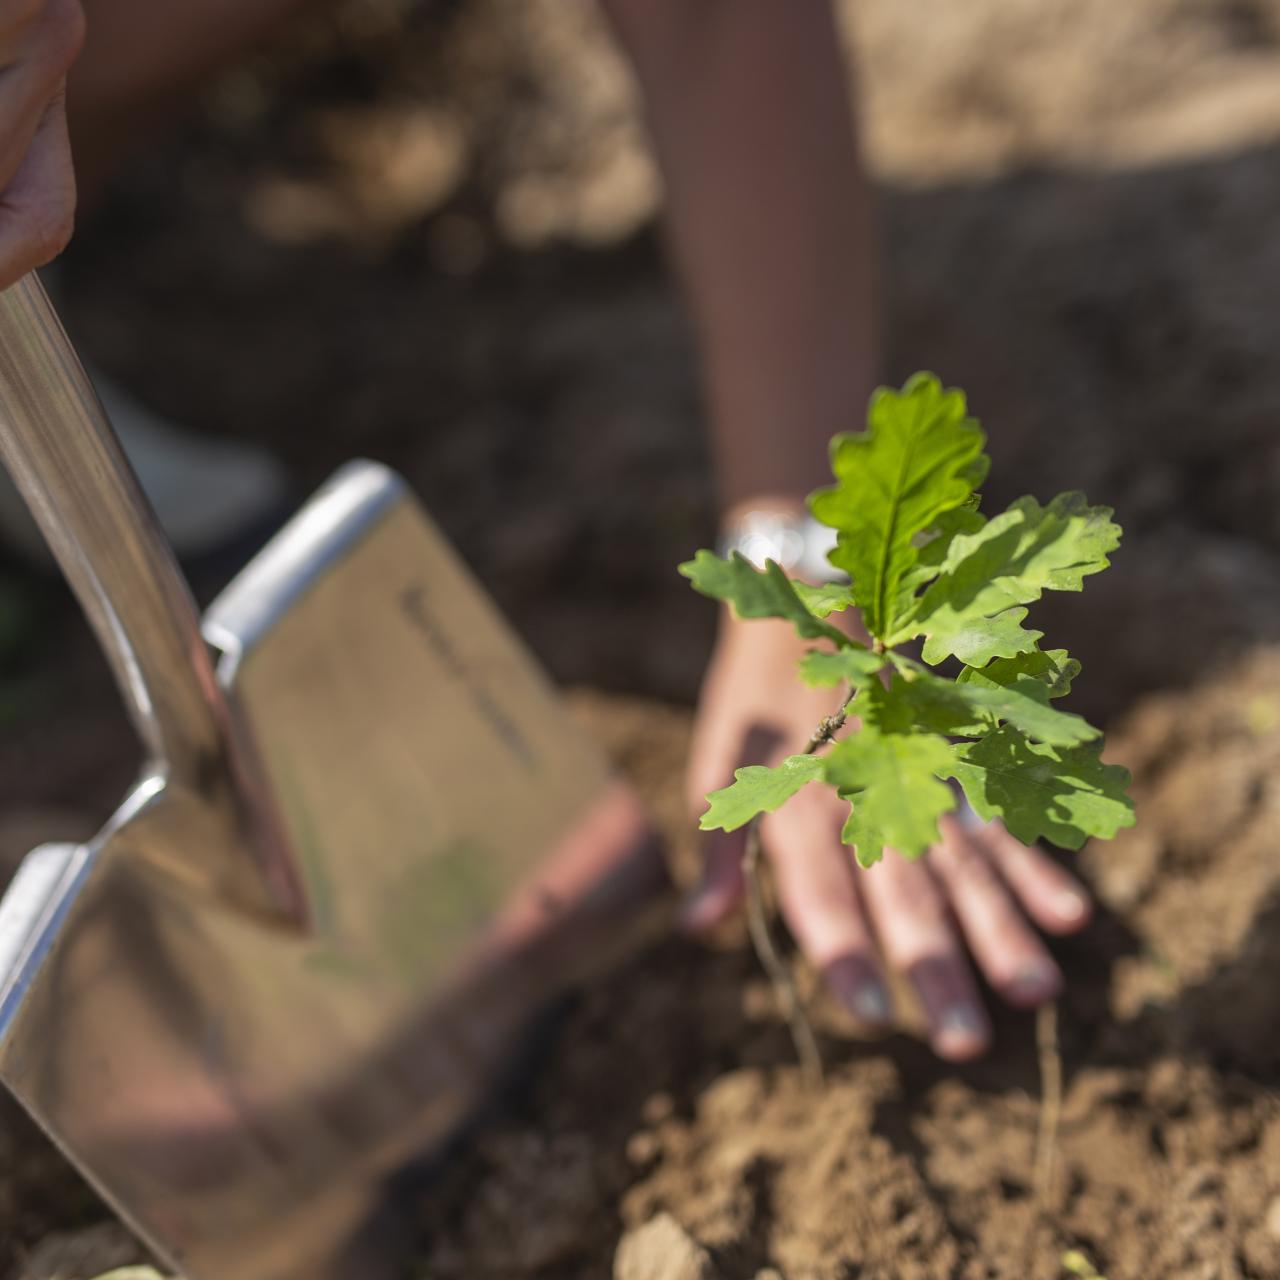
(1053, 668)
(756, 593)
(824, 600)
(756, 789)
(971, 609)
(920, 457)
(1064, 794)
(935, 542)
(976, 640)
(854, 664)
(889, 708)
(861, 834)
(971, 708)
(892, 781)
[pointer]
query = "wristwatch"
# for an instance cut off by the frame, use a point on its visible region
(796, 541)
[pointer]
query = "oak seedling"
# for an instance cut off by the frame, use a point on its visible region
(930, 573)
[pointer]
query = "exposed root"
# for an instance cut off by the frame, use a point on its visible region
(784, 987)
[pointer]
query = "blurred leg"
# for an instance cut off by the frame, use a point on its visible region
(770, 218)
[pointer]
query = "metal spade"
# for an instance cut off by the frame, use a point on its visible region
(367, 848)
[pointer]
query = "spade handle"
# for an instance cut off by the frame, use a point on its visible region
(63, 455)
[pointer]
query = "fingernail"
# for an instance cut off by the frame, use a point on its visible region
(860, 991)
(695, 910)
(1034, 982)
(962, 1032)
(962, 1019)
(870, 1002)
(1070, 905)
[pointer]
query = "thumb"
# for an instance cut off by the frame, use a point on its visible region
(37, 208)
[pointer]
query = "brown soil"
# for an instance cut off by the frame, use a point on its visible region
(433, 244)
(671, 1096)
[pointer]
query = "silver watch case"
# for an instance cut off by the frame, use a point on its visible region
(797, 542)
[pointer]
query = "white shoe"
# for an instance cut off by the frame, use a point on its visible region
(207, 493)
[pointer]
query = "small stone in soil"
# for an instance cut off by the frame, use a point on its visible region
(661, 1250)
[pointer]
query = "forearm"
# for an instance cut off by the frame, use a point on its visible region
(771, 226)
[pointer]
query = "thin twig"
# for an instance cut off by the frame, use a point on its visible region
(1050, 1101)
(784, 987)
(830, 725)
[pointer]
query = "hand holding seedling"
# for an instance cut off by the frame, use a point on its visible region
(925, 566)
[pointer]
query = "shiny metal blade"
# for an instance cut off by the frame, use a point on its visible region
(246, 1092)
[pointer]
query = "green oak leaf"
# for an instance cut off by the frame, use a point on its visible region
(892, 782)
(975, 641)
(974, 474)
(862, 836)
(933, 544)
(970, 609)
(1064, 794)
(890, 708)
(1053, 668)
(931, 550)
(757, 593)
(969, 709)
(824, 600)
(1025, 706)
(919, 457)
(854, 664)
(758, 789)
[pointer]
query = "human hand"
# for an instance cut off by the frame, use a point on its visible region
(39, 40)
(976, 893)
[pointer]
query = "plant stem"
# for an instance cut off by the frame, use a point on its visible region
(1050, 1100)
(830, 725)
(784, 987)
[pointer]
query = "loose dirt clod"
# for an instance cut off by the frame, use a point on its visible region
(661, 1250)
(133, 1273)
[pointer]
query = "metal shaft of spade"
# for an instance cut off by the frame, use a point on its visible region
(67, 462)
